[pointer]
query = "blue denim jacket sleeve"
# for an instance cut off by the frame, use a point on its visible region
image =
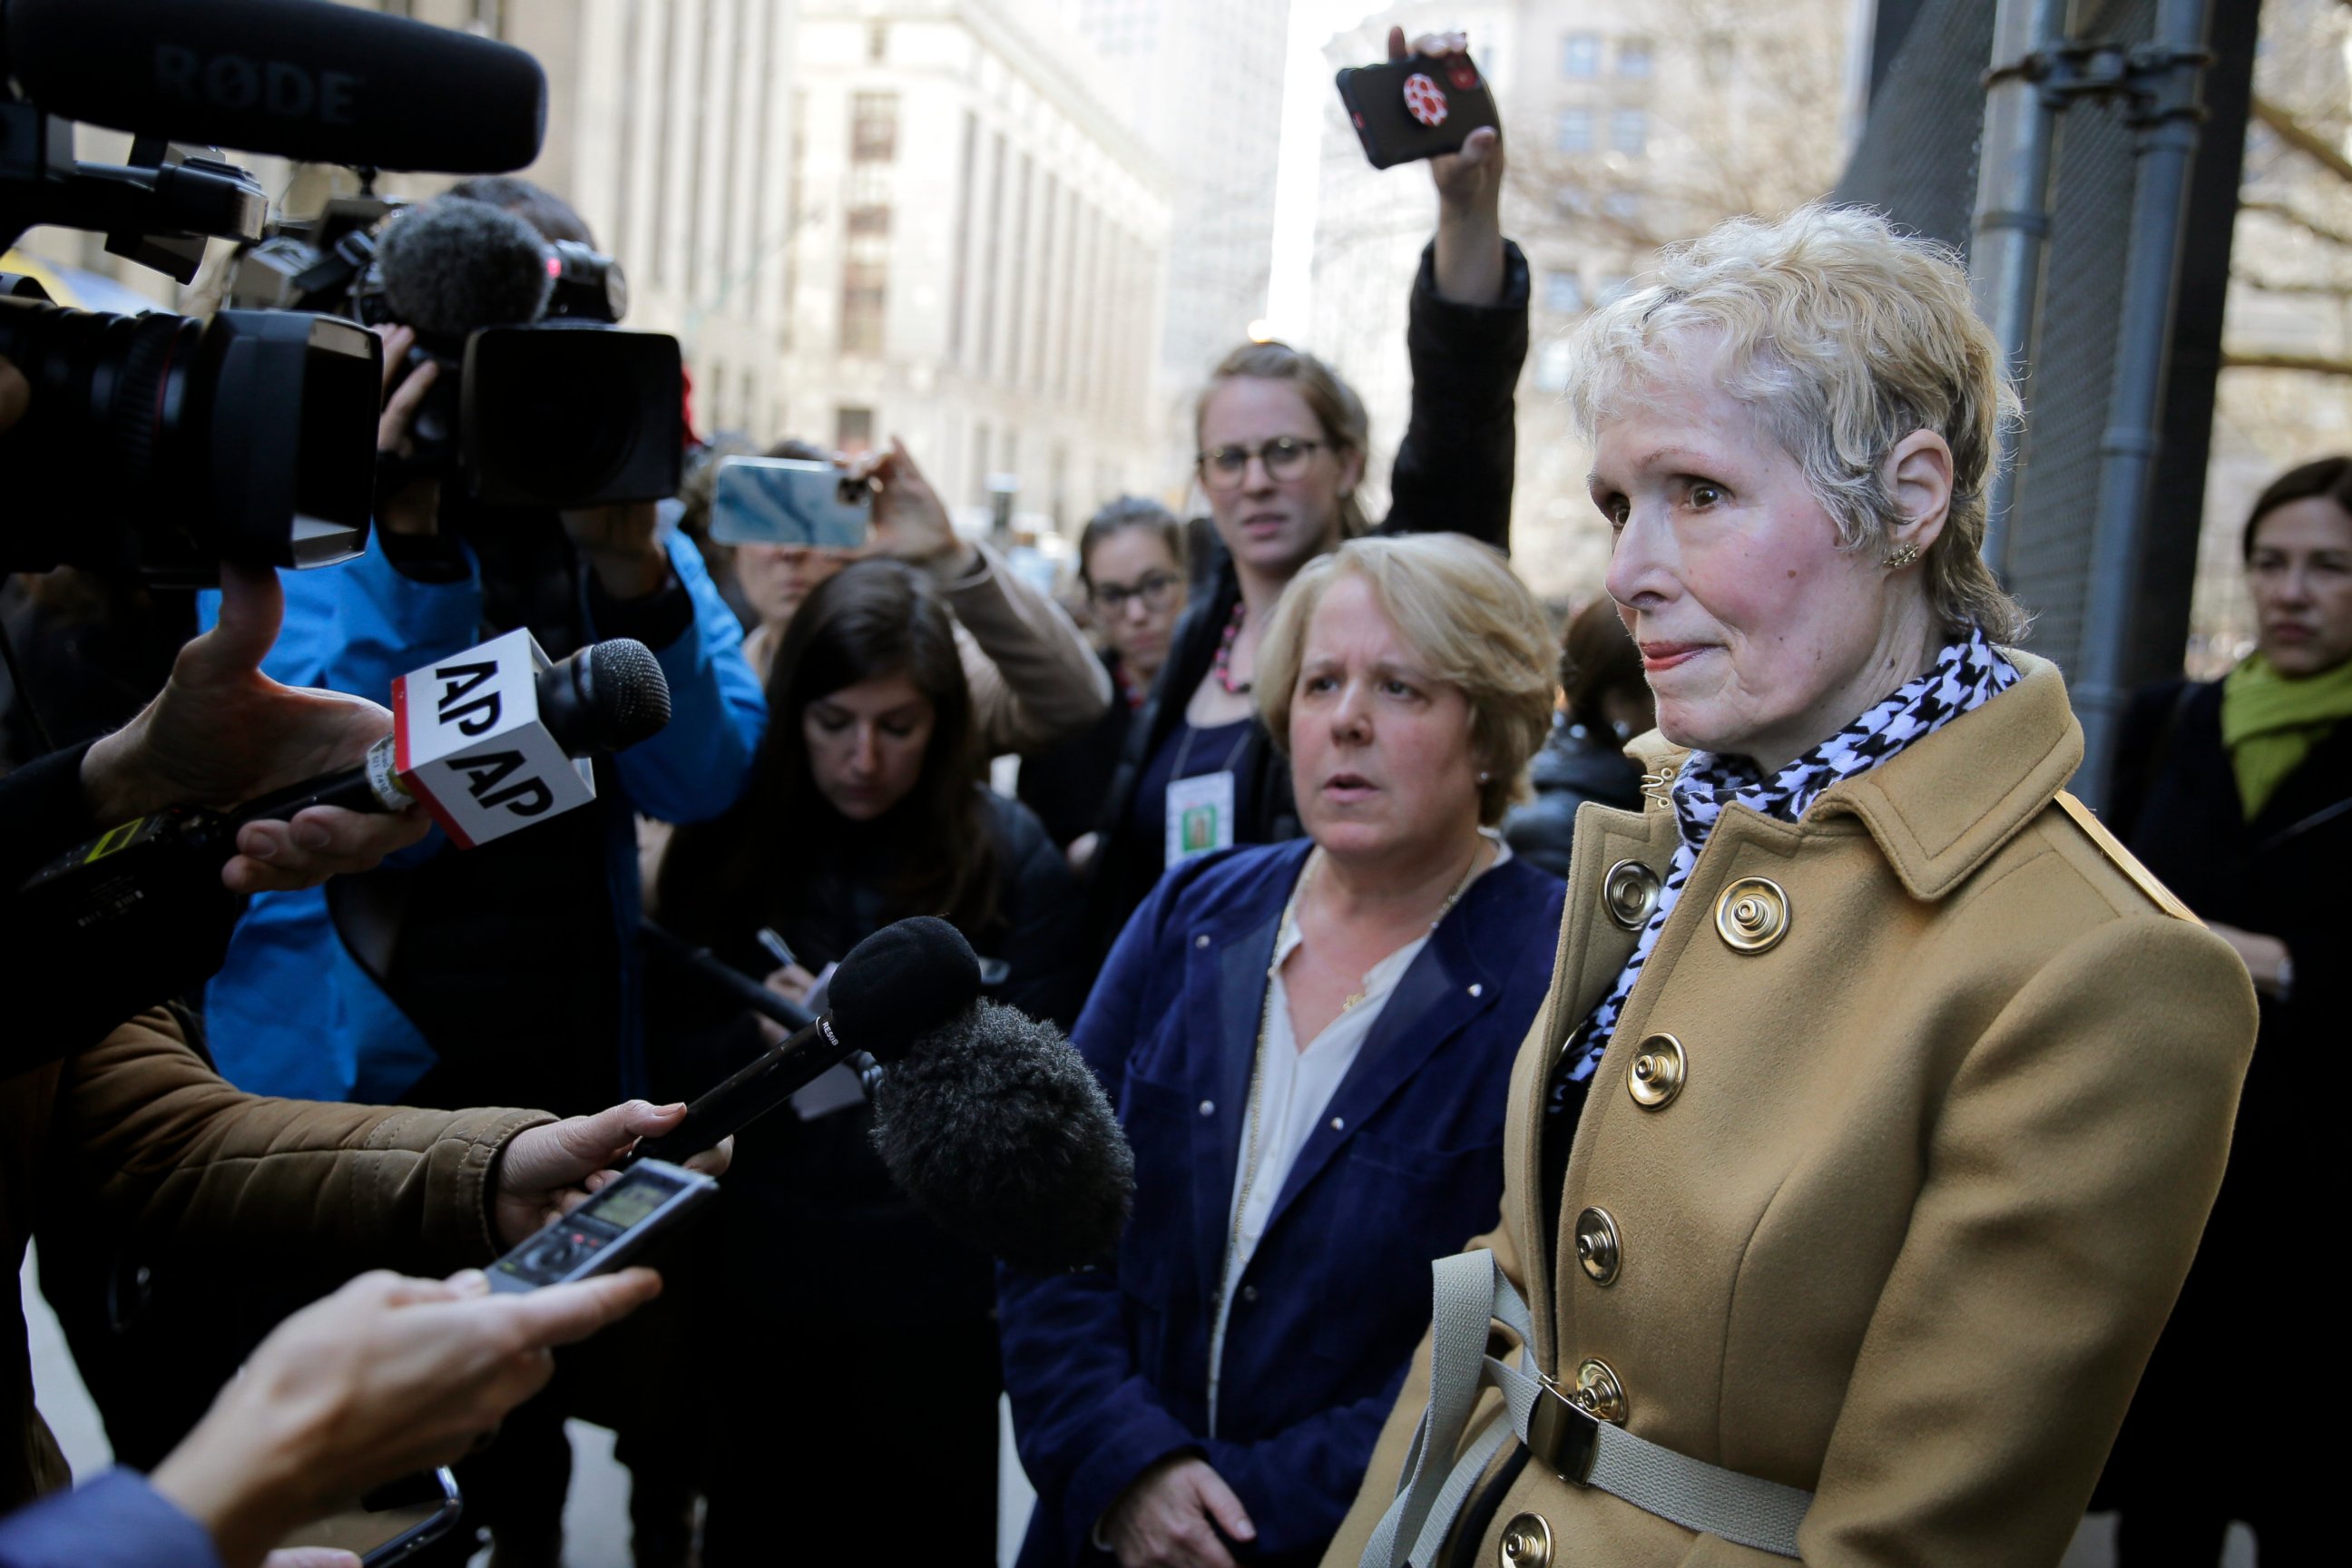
(701, 761)
(1087, 1422)
(116, 1521)
(356, 626)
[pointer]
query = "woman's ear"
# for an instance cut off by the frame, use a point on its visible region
(1918, 475)
(1352, 471)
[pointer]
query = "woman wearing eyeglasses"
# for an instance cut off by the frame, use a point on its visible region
(1131, 563)
(1283, 443)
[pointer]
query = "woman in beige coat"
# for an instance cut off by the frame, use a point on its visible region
(1869, 1127)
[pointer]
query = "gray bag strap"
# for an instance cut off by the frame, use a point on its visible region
(1472, 1295)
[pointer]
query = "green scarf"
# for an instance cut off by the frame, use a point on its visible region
(2270, 723)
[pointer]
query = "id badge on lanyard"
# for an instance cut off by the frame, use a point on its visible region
(1200, 815)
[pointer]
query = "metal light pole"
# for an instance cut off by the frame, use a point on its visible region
(2167, 74)
(2013, 212)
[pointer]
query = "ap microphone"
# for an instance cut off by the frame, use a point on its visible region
(605, 698)
(303, 79)
(485, 739)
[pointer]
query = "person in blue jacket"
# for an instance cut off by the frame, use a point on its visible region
(1309, 1046)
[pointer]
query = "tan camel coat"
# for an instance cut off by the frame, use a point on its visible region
(1937, 1163)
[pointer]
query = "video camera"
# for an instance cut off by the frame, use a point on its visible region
(164, 444)
(539, 402)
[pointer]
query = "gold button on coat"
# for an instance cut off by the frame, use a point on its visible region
(1597, 1246)
(1527, 1542)
(1599, 1393)
(1658, 1072)
(1752, 914)
(1629, 889)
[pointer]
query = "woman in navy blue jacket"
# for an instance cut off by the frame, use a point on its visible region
(1309, 1046)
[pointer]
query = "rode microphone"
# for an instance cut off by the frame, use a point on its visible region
(491, 740)
(986, 1118)
(303, 79)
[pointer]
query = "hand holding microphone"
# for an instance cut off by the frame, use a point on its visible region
(222, 731)
(485, 741)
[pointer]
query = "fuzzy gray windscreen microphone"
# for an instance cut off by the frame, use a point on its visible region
(998, 1130)
(453, 266)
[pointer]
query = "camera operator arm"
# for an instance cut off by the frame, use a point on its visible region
(696, 767)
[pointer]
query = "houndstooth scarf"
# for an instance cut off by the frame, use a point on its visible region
(1967, 674)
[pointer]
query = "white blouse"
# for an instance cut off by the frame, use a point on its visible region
(1294, 1088)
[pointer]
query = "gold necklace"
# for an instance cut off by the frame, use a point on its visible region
(1355, 998)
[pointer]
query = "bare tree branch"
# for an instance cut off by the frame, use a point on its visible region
(2318, 364)
(2318, 286)
(2288, 127)
(2286, 214)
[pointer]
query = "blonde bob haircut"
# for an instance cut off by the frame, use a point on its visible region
(1843, 337)
(1469, 621)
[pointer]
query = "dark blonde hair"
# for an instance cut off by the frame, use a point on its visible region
(1463, 614)
(1333, 401)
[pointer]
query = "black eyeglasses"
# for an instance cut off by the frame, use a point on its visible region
(1154, 588)
(1283, 457)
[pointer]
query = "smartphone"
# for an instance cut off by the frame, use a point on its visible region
(1415, 108)
(781, 501)
(392, 1523)
(609, 1231)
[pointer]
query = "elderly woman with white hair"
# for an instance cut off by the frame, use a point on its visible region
(1874, 1112)
(1309, 1045)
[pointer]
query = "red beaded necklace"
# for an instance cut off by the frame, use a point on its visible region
(1224, 668)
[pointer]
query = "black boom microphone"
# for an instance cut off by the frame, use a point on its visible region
(988, 1121)
(998, 1130)
(904, 981)
(303, 79)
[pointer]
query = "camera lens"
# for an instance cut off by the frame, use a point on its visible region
(160, 444)
(572, 414)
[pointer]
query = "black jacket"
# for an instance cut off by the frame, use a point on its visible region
(1572, 768)
(814, 1228)
(1454, 473)
(1067, 785)
(2175, 803)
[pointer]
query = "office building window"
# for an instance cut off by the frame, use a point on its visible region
(1629, 132)
(853, 430)
(1563, 294)
(1633, 57)
(1580, 55)
(1623, 205)
(873, 127)
(865, 290)
(1572, 131)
